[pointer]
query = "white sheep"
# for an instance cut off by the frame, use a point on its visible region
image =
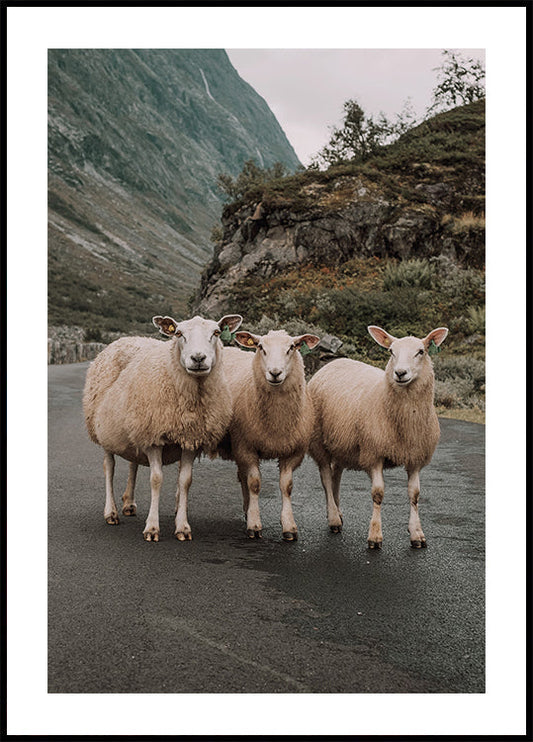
(272, 417)
(153, 403)
(369, 419)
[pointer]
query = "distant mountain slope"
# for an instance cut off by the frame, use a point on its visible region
(136, 141)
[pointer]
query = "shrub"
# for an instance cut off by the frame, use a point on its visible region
(461, 367)
(476, 319)
(418, 273)
(93, 335)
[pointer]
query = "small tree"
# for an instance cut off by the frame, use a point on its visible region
(461, 81)
(362, 136)
(356, 138)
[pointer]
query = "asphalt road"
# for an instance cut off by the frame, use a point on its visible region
(224, 614)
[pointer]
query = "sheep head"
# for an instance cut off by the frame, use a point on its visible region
(276, 352)
(198, 340)
(409, 355)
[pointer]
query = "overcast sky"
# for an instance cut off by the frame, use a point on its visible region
(306, 88)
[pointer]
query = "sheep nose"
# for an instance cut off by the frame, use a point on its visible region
(275, 373)
(400, 373)
(198, 357)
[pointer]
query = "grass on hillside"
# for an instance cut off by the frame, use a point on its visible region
(450, 148)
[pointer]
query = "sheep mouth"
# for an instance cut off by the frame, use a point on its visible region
(198, 370)
(276, 382)
(403, 382)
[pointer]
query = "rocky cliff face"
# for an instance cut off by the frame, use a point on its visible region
(136, 141)
(262, 241)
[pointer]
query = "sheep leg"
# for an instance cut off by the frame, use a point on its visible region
(334, 516)
(151, 529)
(418, 540)
(375, 535)
(183, 530)
(129, 507)
(110, 508)
(241, 475)
(254, 529)
(337, 475)
(288, 524)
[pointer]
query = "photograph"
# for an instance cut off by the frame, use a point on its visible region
(273, 427)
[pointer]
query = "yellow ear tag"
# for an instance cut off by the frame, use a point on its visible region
(250, 341)
(171, 328)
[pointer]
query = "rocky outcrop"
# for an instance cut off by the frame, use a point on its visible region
(265, 239)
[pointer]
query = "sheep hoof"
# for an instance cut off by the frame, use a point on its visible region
(254, 534)
(129, 509)
(151, 535)
(418, 544)
(290, 536)
(335, 529)
(112, 520)
(182, 536)
(374, 544)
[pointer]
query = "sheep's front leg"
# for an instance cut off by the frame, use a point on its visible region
(418, 540)
(375, 535)
(289, 528)
(129, 507)
(183, 530)
(250, 478)
(334, 516)
(151, 529)
(110, 508)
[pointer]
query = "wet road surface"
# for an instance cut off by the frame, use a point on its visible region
(225, 614)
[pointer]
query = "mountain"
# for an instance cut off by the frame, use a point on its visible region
(136, 140)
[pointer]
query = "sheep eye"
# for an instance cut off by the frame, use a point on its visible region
(259, 347)
(291, 348)
(216, 333)
(178, 334)
(420, 352)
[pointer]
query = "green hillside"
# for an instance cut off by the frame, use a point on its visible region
(136, 139)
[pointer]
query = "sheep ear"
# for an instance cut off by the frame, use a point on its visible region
(231, 321)
(438, 336)
(310, 340)
(247, 340)
(380, 336)
(167, 326)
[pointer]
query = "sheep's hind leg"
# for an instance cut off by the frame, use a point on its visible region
(337, 471)
(110, 508)
(129, 507)
(375, 535)
(151, 529)
(326, 477)
(183, 530)
(418, 540)
(288, 524)
(241, 476)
